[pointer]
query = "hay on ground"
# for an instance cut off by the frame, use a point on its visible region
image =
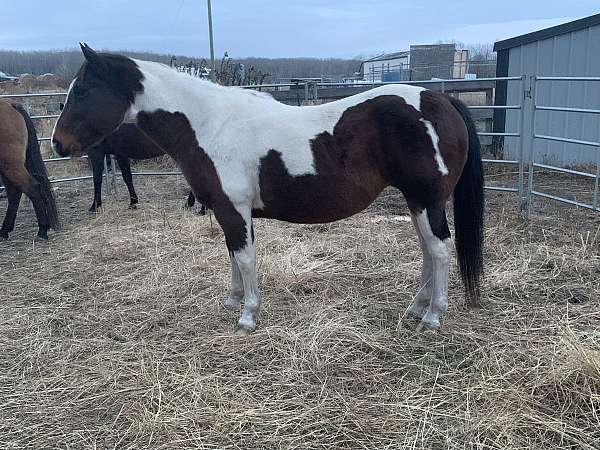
(114, 335)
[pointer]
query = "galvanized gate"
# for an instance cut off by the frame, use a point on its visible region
(532, 107)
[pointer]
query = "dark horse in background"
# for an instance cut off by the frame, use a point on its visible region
(126, 143)
(22, 170)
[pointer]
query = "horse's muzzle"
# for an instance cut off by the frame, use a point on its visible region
(65, 144)
(57, 146)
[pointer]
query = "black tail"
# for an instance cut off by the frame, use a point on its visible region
(37, 169)
(468, 212)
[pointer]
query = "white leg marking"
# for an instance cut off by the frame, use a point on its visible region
(421, 301)
(246, 262)
(440, 251)
(236, 294)
(435, 141)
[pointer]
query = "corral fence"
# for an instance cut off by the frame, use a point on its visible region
(525, 135)
(532, 135)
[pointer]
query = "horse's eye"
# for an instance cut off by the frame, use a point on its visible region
(61, 106)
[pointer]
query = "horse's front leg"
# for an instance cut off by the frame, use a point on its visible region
(246, 260)
(237, 226)
(236, 293)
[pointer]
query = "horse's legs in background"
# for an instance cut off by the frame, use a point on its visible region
(128, 179)
(191, 201)
(96, 159)
(14, 198)
(236, 294)
(435, 233)
(416, 310)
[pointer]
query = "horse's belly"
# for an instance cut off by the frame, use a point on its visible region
(317, 199)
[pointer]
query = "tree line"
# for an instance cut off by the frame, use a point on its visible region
(65, 64)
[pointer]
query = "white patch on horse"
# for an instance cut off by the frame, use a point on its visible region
(236, 127)
(66, 100)
(435, 141)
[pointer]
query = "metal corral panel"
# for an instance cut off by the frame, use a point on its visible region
(576, 53)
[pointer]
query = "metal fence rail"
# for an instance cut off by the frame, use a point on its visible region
(531, 191)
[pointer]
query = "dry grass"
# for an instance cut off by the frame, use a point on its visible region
(114, 335)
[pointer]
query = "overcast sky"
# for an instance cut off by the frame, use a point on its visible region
(272, 28)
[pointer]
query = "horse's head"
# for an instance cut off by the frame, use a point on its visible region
(98, 101)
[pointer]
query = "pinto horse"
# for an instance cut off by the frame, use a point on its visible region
(245, 155)
(22, 170)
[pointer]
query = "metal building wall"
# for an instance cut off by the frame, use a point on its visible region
(572, 54)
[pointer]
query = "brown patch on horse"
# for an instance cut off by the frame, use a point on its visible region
(375, 144)
(173, 133)
(105, 87)
(452, 134)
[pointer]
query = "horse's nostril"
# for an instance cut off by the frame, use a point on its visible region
(57, 146)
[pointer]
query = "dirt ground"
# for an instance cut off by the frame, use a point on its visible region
(113, 335)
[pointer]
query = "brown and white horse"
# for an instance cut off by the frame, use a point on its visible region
(22, 170)
(246, 155)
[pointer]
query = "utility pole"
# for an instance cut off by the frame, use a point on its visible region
(210, 39)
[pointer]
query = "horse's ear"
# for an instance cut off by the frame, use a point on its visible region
(94, 59)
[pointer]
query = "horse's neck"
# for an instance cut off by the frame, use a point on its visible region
(205, 105)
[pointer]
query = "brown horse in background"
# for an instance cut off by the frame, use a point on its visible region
(22, 170)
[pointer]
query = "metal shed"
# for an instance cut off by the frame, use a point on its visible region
(568, 50)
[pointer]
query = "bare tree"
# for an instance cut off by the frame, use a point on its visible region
(66, 63)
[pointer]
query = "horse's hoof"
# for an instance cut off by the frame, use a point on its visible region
(42, 239)
(232, 303)
(245, 325)
(426, 327)
(94, 209)
(3, 237)
(134, 206)
(241, 331)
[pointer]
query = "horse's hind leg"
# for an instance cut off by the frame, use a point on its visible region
(24, 182)
(417, 308)
(14, 198)
(435, 234)
(35, 195)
